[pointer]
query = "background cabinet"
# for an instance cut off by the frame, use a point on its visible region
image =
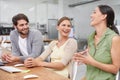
(52, 30)
(5, 30)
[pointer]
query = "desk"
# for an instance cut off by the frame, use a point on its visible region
(46, 41)
(43, 73)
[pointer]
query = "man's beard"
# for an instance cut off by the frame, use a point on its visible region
(24, 33)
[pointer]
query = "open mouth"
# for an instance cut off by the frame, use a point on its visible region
(66, 31)
(92, 19)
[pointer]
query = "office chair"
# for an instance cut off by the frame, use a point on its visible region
(118, 75)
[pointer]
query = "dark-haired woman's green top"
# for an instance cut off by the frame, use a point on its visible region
(101, 53)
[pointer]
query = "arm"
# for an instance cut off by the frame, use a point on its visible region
(14, 40)
(15, 55)
(115, 55)
(42, 57)
(15, 51)
(69, 50)
(35, 45)
(35, 41)
(30, 62)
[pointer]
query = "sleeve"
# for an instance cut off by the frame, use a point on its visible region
(13, 38)
(48, 50)
(37, 45)
(69, 50)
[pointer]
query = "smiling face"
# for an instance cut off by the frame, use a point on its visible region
(22, 27)
(64, 28)
(97, 17)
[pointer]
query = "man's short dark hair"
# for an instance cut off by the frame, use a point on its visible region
(19, 16)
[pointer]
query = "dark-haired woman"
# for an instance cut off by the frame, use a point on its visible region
(103, 54)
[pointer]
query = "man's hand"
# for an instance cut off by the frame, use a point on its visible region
(10, 58)
(3, 57)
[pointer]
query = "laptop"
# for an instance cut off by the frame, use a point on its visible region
(2, 64)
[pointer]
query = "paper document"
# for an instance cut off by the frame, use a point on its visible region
(10, 69)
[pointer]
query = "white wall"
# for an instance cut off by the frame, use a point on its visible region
(117, 12)
(10, 8)
(34, 9)
(81, 15)
(40, 12)
(0, 11)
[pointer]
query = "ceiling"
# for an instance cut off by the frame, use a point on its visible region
(81, 2)
(37, 1)
(72, 3)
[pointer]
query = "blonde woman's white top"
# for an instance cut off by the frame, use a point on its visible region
(61, 54)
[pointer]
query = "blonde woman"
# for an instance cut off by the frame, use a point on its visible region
(60, 51)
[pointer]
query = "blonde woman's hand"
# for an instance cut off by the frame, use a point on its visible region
(31, 62)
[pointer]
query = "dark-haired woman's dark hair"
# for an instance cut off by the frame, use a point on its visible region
(19, 16)
(62, 19)
(105, 9)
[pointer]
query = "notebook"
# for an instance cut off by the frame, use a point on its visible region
(10, 69)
